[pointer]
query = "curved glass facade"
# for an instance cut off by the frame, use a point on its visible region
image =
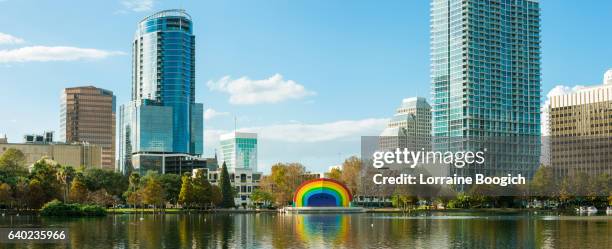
(164, 73)
(162, 117)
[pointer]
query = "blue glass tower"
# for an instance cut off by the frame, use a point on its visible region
(485, 58)
(162, 116)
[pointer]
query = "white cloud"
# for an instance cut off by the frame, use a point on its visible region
(211, 138)
(315, 145)
(9, 39)
(58, 53)
(556, 91)
(310, 133)
(138, 5)
(212, 113)
(245, 91)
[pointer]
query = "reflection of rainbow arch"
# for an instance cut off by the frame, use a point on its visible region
(322, 192)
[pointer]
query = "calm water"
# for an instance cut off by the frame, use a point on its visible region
(271, 230)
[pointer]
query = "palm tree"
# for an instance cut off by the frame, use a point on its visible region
(134, 180)
(65, 174)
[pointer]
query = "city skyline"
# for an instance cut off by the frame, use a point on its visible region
(307, 91)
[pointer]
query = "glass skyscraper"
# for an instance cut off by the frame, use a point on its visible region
(485, 58)
(162, 116)
(238, 151)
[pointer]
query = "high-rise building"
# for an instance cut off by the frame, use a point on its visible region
(163, 117)
(485, 71)
(87, 115)
(580, 126)
(238, 150)
(410, 127)
(239, 153)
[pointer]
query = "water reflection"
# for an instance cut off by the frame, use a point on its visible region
(272, 230)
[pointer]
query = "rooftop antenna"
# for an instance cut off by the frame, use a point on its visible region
(235, 125)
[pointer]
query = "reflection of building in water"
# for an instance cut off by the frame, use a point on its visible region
(580, 126)
(410, 127)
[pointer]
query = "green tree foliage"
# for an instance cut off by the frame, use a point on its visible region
(57, 208)
(283, 181)
(335, 173)
(20, 192)
(543, 184)
(351, 174)
(35, 194)
(101, 198)
(45, 171)
(201, 189)
(226, 189)
(78, 191)
(132, 194)
(6, 194)
(64, 175)
(172, 186)
(113, 182)
(12, 160)
(261, 197)
(186, 195)
(216, 197)
(153, 192)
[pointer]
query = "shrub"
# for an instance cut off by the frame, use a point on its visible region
(58, 208)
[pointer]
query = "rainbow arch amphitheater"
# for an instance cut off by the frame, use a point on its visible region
(322, 192)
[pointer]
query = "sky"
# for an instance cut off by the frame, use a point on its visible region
(309, 76)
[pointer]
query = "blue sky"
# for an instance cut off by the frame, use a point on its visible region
(310, 76)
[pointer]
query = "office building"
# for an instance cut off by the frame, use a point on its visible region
(87, 115)
(238, 150)
(485, 72)
(76, 154)
(580, 126)
(162, 117)
(410, 127)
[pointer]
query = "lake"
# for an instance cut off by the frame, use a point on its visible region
(367, 230)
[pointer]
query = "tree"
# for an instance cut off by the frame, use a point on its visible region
(132, 195)
(101, 197)
(20, 193)
(201, 189)
(185, 197)
(35, 194)
(6, 194)
(543, 184)
(78, 191)
(153, 193)
(64, 175)
(283, 181)
(172, 186)
(216, 197)
(45, 171)
(226, 189)
(113, 182)
(335, 173)
(351, 174)
(261, 197)
(12, 160)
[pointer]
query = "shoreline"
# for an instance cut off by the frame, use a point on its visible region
(114, 211)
